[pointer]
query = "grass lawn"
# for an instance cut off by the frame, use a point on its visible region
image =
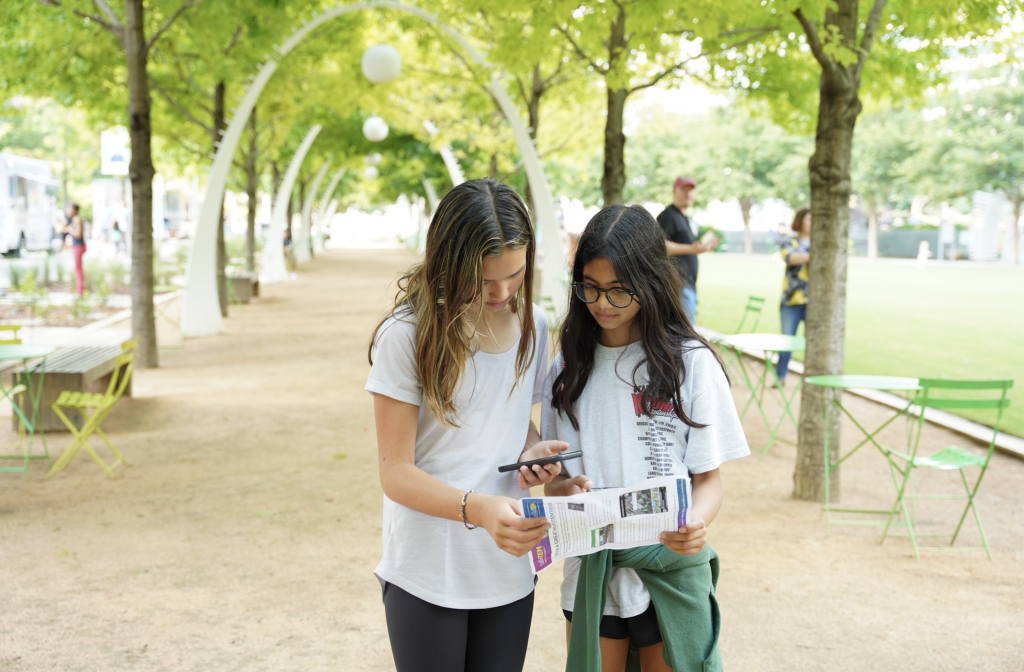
(953, 321)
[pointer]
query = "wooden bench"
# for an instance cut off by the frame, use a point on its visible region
(81, 369)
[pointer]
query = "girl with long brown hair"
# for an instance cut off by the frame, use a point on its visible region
(456, 368)
(642, 394)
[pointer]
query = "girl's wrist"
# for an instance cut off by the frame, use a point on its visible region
(476, 506)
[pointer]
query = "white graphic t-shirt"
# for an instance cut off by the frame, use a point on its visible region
(622, 446)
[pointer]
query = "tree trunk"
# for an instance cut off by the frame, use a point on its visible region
(492, 166)
(829, 166)
(298, 207)
(533, 110)
(291, 212)
(614, 178)
(251, 184)
(748, 238)
(141, 172)
(218, 132)
(533, 105)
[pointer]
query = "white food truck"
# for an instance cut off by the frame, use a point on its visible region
(29, 211)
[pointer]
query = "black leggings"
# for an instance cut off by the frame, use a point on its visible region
(428, 638)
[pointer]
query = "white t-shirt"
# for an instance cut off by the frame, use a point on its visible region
(438, 560)
(622, 446)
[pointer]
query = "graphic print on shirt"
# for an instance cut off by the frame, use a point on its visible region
(653, 433)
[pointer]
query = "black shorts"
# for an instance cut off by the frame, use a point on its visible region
(642, 630)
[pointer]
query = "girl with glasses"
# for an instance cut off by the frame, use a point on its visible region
(642, 394)
(456, 368)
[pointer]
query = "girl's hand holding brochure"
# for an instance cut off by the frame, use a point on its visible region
(689, 540)
(502, 518)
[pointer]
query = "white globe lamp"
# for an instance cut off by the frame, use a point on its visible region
(375, 129)
(373, 159)
(381, 63)
(371, 173)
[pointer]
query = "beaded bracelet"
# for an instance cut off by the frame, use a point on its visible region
(462, 513)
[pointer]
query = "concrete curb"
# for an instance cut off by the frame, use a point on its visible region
(1005, 443)
(126, 314)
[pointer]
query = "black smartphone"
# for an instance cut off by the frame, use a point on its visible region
(561, 457)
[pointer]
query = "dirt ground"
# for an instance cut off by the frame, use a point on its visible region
(244, 534)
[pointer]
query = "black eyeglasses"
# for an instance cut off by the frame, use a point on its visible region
(617, 296)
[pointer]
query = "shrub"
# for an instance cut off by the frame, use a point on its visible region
(101, 297)
(34, 297)
(81, 307)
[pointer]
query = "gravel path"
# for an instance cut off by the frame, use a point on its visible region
(244, 534)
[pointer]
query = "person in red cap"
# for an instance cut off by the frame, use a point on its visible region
(681, 240)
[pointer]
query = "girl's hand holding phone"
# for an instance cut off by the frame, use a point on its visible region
(689, 540)
(503, 520)
(540, 474)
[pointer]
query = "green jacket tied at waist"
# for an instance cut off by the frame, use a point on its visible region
(682, 588)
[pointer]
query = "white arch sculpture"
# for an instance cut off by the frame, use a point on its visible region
(332, 207)
(201, 310)
(454, 169)
(274, 269)
(302, 246)
(428, 188)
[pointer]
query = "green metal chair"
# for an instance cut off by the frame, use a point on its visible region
(15, 394)
(100, 406)
(14, 338)
(755, 304)
(949, 459)
(19, 388)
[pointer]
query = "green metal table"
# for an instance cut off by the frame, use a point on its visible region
(769, 344)
(22, 384)
(845, 382)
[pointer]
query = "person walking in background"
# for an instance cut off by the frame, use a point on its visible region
(924, 252)
(76, 229)
(117, 238)
(681, 240)
(796, 252)
(289, 245)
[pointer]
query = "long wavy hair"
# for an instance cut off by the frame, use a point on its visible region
(477, 219)
(635, 245)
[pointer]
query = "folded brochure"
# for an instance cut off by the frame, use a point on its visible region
(613, 518)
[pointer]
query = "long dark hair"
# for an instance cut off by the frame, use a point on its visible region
(477, 219)
(635, 245)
